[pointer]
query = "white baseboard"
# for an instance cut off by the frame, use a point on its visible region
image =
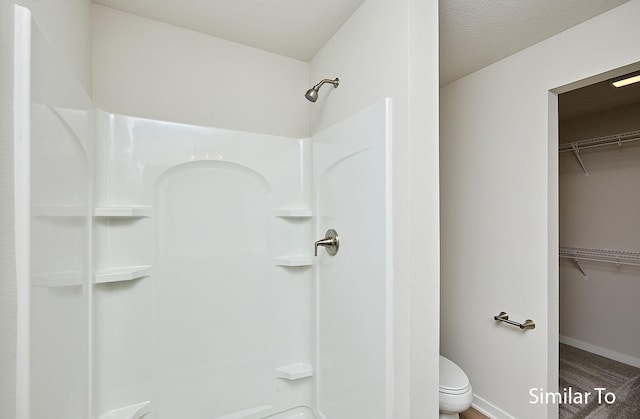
(487, 409)
(494, 412)
(607, 353)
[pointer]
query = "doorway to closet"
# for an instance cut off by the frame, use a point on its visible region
(599, 258)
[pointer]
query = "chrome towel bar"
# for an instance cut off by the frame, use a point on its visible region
(504, 317)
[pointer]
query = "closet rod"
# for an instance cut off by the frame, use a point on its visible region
(625, 137)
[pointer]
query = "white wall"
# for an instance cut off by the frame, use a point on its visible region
(499, 207)
(66, 24)
(7, 250)
(154, 70)
(390, 48)
(600, 211)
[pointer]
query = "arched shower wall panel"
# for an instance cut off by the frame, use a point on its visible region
(223, 326)
(352, 187)
(214, 291)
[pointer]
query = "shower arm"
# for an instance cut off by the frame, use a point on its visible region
(334, 82)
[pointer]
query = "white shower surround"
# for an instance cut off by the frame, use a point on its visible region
(205, 332)
(233, 211)
(158, 239)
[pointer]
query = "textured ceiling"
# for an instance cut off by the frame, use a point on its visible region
(294, 28)
(477, 33)
(473, 33)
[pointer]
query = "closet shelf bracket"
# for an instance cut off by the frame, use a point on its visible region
(576, 152)
(577, 262)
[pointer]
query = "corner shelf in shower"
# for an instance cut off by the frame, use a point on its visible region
(293, 212)
(123, 212)
(294, 260)
(122, 273)
(294, 371)
(136, 411)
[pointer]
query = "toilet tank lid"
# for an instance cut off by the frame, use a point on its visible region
(451, 376)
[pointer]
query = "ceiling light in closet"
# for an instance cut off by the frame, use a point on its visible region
(627, 81)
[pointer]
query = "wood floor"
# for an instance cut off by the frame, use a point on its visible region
(471, 413)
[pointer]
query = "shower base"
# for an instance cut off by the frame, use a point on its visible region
(300, 412)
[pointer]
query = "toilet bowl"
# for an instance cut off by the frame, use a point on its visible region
(456, 394)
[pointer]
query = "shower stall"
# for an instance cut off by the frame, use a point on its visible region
(167, 270)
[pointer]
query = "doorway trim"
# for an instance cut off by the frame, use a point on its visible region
(553, 224)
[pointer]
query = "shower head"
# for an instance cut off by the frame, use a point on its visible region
(312, 94)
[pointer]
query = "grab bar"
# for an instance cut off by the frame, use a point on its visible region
(504, 317)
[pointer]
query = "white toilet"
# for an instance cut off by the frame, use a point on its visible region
(456, 394)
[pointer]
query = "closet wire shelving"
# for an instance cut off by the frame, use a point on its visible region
(619, 257)
(617, 139)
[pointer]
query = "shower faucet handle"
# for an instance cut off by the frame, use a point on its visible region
(331, 243)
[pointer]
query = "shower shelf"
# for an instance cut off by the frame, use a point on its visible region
(123, 273)
(136, 411)
(294, 212)
(296, 260)
(123, 212)
(294, 371)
